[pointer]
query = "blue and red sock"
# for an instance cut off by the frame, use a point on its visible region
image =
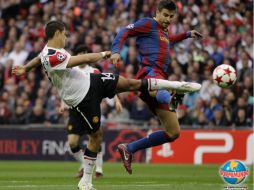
(154, 139)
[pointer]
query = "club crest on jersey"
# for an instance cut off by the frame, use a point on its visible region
(95, 119)
(57, 58)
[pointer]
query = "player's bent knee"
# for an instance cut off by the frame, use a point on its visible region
(73, 140)
(172, 136)
(73, 143)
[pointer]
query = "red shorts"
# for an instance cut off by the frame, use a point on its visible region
(153, 104)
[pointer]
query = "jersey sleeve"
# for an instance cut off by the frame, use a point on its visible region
(178, 38)
(96, 71)
(59, 59)
(138, 28)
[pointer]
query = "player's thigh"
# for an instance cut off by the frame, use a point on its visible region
(125, 84)
(169, 121)
(73, 140)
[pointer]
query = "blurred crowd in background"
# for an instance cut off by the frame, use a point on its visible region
(227, 26)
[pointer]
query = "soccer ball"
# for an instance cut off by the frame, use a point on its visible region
(224, 76)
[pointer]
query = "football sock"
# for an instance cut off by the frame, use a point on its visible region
(89, 162)
(163, 96)
(154, 139)
(78, 154)
(99, 162)
(144, 85)
(160, 84)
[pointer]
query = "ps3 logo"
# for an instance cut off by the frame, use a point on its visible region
(226, 148)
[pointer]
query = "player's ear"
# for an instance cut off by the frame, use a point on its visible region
(157, 12)
(57, 33)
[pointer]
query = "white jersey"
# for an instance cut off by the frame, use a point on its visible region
(71, 83)
(89, 69)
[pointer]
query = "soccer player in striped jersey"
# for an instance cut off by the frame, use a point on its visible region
(153, 43)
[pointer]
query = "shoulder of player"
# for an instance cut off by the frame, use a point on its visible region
(146, 20)
(47, 51)
(51, 50)
(55, 56)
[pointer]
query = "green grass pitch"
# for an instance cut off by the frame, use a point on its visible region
(47, 175)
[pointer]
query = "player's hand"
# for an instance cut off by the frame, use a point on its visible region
(18, 70)
(107, 54)
(115, 58)
(63, 107)
(196, 34)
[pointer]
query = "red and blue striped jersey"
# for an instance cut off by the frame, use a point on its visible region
(153, 43)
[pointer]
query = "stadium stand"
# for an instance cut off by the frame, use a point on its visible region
(227, 26)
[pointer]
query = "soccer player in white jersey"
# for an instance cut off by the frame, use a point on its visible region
(83, 92)
(75, 131)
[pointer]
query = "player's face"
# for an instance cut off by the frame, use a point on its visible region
(165, 17)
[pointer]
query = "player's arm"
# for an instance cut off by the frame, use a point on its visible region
(63, 107)
(180, 37)
(87, 58)
(22, 69)
(138, 28)
(118, 104)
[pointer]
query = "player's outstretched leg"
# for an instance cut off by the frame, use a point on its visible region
(126, 157)
(151, 84)
(180, 87)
